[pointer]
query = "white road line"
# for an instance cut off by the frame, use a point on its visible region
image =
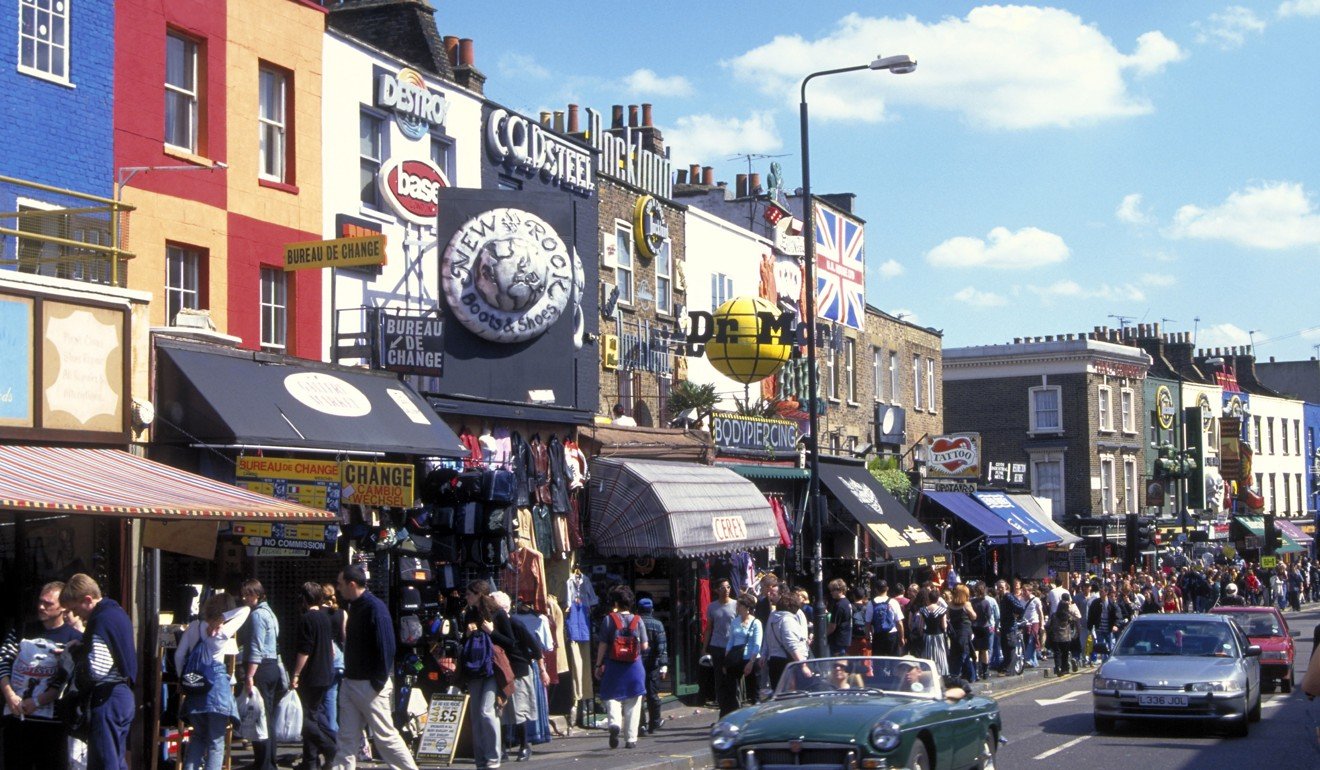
(1056, 750)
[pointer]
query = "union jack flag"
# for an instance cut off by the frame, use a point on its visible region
(840, 269)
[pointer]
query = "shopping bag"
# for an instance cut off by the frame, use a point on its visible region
(289, 719)
(251, 716)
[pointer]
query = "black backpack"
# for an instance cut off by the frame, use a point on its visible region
(198, 668)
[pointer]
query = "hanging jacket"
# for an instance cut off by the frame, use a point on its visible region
(520, 460)
(539, 478)
(558, 476)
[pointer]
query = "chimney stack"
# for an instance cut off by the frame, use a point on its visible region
(632, 116)
(754, 184)
(646, 115)
(451, 49)
(467, 56)
(708, 176)
(740, 186)
(680, 176)
(616, 116)
(573, 119)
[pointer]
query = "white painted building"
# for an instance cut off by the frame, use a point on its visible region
(377, 114)
(1279, 453)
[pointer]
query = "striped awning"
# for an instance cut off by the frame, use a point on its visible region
(111, 482)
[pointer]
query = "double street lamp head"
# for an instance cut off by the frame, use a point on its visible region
(901, 64)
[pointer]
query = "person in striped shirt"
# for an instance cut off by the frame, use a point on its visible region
(107, 662)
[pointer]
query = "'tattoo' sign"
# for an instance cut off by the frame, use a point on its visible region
(412, 188)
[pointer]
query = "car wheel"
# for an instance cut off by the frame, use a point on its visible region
(918, 759)
(1104, 724)
(1254, 714)
(989, 745)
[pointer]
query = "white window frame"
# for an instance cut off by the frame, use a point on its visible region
(1032, 410)
(664, 280)
(721, 290)
(1269, 434)
(190, 92)
(893, 378)
(876, 383)
(1049, 458)
(1104, 396)
(831, 367)
(916, 382)
(442, 154)
(623, 262)
(1283, 435)
(274, 308)
(850, 367)
(273, 124)
(930, 385)
(369, 196)
(1287, 493)
(1108, 473)
(1129, 485)
(183, 269)
(57, 52)
(1127, 408)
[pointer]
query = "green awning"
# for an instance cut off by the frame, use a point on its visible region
(1256, 526)
(751, 471)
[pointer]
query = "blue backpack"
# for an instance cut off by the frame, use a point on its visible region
(882, 618)
(477, 657)
(198, 668)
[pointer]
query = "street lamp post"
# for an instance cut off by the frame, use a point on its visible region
(899, 65)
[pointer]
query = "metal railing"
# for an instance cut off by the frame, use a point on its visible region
(79, 242)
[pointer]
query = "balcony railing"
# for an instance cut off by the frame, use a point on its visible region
(81, 242)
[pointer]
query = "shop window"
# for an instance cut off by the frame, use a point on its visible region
(371, 156)
(930, 385)
(623, 255)
(893, 377)
(183, 278)
(850, 368)
(876, 384)
(273, 119)
(1107, 485)
(1129, 485)
(182, 92)
(721, 290)
(916, 382)
(274, 307)
(1047, 480)
(1045, 412)
(1104, 397)
(1128, 408)
(43, 38)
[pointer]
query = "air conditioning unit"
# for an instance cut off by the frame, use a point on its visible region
(609, 351)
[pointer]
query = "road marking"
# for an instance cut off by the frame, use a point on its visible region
(1057, 749)
(1060, 699)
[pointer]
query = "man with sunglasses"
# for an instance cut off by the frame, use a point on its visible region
(34, 738)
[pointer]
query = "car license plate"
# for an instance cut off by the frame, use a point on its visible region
(1162, 701)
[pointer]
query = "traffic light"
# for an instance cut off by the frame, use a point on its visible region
(1271, 544)
(1143, 533)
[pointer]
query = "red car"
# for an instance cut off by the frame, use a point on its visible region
(1265, 627)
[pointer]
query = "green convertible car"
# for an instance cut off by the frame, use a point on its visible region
(860, 714)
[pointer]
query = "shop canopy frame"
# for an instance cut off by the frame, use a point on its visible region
(1035, 532)
(1031, 504)
(895, 530)
(672, 509)
(995, 529)
(112, 482)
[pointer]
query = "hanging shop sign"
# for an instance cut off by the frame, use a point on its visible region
(282, 539)
(412, 188)
(525, 146)
(649, 229)
(417, 109)
(313, 483)
(954, 456)
(377, 484)
(340, 252)
(728, 529)
(1164, 403)
(625, 157)
(746, 339)
(509, 277)
(410, 343)
(742, 436)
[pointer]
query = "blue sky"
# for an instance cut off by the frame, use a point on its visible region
(1047, 167)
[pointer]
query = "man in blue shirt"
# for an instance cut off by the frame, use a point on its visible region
(107, 659)
(366, 693)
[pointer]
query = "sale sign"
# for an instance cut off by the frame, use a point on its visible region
(954, 456)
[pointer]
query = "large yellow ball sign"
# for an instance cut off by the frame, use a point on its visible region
(739, 352)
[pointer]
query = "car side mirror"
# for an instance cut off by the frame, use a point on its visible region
(1253, 651)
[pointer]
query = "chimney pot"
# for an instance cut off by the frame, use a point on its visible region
(680, 176)
(754, 183)
(573, 119)
(616, 116)
(694, 173)
(708, 176)
(559, 120)
(545, 118)
(646, 114)
(632, 115)
(451, 49)
(1017, 340)
(466, 55)
(740, 186)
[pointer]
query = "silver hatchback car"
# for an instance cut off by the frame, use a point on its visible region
(1180, 666)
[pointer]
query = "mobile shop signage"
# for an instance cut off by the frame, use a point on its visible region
(624, 157)
(340, 252)
(417, 109)
(738, 435)
(954, 456)
(379, 484)
(412, 188)
(313, 483)
(524, 145)
(410, 343)
(443, 726)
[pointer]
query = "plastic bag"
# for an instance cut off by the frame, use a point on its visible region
(251, 716)
(289, 719)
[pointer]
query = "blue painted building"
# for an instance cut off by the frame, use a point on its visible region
(57, 81)
(1311, 424)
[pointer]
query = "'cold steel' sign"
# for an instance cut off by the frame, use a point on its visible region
(412, 188)
(526, 146)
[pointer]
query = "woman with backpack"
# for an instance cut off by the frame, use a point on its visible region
(208, 703)
(1062, 632)
(486, 626)
(619, 666)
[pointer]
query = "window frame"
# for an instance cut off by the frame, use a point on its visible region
(721, 290)
(876, 383)
(917, 384)
(279, 126)
(1269, 434)
(1104, 398)
(1127, 410)
(1051, 458)
(193, 97)
(894, 397)
(275, 309)
(850, 368)
(1108, 473)
(1287, 493)
(1033, 416)
(382, 135)
(180, 293)
(444, 158)
(1283, 435)
(664, 280)
(930, 385)
(623, 233)
(831, 366)
(1129, 485)
(38, 41)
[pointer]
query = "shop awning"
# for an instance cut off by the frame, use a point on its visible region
(1017, 517)
(1256, 526)
(112, 482)
(1031, 505)
(666, 509)
(753, 471)
(640, 443)
(459, 407)
(1293, 532)
(243, 399)
(895, 530)
(970, 510)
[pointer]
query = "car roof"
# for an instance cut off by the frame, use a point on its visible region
(1167, 616)
(1257, 609)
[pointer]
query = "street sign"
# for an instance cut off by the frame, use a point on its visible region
(1269, 562)
(340, 252)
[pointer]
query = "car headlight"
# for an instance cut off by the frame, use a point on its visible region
(722, 736)
(1274, 655)
(1221, 686)
(885, 736)
(1102, 683)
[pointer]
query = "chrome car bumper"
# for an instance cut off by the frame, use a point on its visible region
(1200, 705)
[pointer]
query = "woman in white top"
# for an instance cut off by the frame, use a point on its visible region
(1034, 617)
(785, 636)
(210, 713)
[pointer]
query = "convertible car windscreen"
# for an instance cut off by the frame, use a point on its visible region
(903, 676)
(1156, 637)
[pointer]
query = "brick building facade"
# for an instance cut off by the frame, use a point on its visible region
(898, 361)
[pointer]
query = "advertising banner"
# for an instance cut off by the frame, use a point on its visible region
(380, 484)
(954, 456)
(313, 483)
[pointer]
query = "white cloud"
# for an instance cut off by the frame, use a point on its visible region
(891, 269)
(1158, 279)
(517, 65)
(1222, 335)
(1002, 67)
(707, 138)
(1027, 248)
(1269, 215)
(1229, 28)
(1300, 8)
(644, 82)
(1072, 290)
(977, 298)
(1129, 210)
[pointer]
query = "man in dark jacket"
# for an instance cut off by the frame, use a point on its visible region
(656, 662)
(107, 659)
(366, 693)
(1104, 619)
(1011, 611)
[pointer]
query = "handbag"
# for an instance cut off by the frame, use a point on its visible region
(471, 519)
(503, 671)
(413, 569)
(410, 630)
(497, 486)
